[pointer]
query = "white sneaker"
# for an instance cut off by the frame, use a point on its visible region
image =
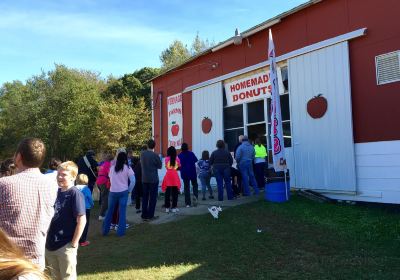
(101, 218)
(126, 226)
(166, 210)
(175, 210)
(188, 206)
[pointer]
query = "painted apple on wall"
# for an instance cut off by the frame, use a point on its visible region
(206, 125)
(174, 129)
(317, 106)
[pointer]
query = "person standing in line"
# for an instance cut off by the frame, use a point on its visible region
(67, 225)
(244, 157)
(150, 163)
(237, 145)
(171, 183)
(259, 162)
(205, 174)
(81, 184)
(53, 164)
(236, 182)
(103, 182)
(188, 174)
(88, 165)
(221, 161)
(122, 181)
(52, 171)
(7, 168)
(137, 193)
(129, 152)
(26, 201)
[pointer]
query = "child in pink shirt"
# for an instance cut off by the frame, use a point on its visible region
(171, 183)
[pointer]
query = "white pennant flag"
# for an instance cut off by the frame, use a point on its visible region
(278, 148)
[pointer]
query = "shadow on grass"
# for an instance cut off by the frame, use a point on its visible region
(298, 240)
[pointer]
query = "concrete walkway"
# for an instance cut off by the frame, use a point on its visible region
(201, 208)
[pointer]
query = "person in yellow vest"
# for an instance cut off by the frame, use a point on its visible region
(259, 162)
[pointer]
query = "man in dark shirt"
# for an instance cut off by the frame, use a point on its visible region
(88, 167)
(150, 163)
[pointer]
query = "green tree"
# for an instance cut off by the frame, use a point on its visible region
(122, 125)
(133, 85)
(199, 45)
(175, 54)
(65, 108)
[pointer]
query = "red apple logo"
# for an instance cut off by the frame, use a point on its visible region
(317, 106)
(174, 129)
(206, 125)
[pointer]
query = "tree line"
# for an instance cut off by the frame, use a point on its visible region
(73, 110)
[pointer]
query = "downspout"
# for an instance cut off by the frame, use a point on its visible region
(152, 109)
(161, 142)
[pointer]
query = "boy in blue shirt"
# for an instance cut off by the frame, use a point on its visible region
(67, 224)
(82, 185)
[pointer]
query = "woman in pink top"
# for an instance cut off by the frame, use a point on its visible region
(120, 175)
(171, 182)
(103, 182)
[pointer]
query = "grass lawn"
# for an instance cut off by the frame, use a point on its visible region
(301, 239)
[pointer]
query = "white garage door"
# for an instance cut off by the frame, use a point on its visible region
(323, 148)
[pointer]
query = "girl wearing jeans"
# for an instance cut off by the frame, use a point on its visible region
(205, 174)
(120, 174)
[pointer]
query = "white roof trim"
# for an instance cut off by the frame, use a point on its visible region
(307, 49)
(247, 34)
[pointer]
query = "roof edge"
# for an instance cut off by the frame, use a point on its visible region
(264, 25)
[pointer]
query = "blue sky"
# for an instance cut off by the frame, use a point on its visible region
(115, 37)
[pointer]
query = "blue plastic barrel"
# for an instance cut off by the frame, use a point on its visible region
(275, 191)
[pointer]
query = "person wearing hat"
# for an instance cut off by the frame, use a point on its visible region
(245, 155)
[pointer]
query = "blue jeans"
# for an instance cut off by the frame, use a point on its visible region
(246, 169)
(205, 183)
(149, 201)
(122, 199)
(223, 173)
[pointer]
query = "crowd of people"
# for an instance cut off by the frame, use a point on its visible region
(44, 217)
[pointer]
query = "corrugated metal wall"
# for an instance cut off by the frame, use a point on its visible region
(323, 149)
(207, 102)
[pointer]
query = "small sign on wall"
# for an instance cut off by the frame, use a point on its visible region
(175, 121)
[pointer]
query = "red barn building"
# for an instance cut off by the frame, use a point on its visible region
(345, 50)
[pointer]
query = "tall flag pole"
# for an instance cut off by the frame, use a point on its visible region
(276, 117)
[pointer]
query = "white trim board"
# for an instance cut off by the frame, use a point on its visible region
(307, 49)
(378, 173)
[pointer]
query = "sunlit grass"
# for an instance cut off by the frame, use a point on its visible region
(166, 272)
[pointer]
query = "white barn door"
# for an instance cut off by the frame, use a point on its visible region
(207, 102)
(323, 149)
